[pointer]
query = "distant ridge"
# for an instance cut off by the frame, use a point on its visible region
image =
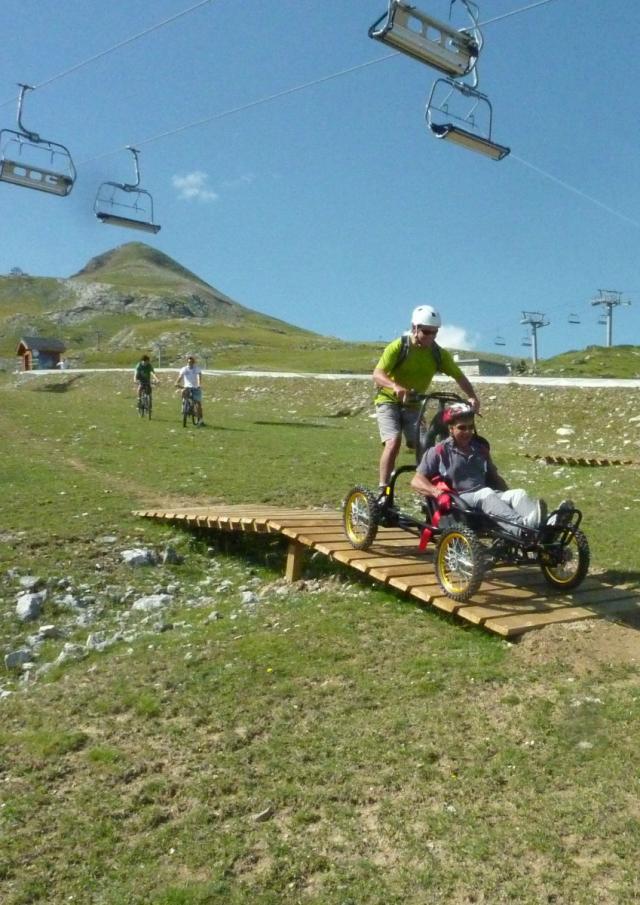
(137, 262)
(138, 268)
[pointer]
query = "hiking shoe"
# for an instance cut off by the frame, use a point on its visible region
(563, 513)
(565, 509)
(200, 424)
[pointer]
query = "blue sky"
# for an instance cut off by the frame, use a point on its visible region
(333, 207)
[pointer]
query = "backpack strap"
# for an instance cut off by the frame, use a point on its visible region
(405, 345)
(437, 354)
(403, 351)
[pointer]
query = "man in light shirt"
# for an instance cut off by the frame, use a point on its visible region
(190, 379)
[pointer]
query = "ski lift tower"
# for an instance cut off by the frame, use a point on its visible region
(535, 320)
(609, 299)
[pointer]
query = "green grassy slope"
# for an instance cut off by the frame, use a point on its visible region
(327, 743)
(595, 361)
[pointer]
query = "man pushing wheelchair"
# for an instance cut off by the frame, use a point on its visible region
(475, 521)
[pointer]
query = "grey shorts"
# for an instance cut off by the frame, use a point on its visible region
(396, 420)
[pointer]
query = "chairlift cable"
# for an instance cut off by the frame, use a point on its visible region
(104, 53)
(256, 103)
(576, 191)
(514, 12)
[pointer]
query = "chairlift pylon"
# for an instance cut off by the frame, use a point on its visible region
(428, 40)
(112, 198)
(56, 178)
(475, 114)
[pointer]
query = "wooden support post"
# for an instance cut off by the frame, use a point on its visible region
(293, 569)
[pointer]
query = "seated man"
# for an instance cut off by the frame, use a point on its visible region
(463, 463)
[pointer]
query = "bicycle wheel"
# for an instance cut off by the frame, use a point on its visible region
(360, 517)
(459, 563)
(567, 565)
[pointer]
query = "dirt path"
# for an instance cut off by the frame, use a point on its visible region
(583, 646)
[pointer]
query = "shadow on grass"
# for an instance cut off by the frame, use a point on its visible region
(295, 424)
(58, 386)
(269, 551)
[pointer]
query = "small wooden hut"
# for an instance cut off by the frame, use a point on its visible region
(39, 353)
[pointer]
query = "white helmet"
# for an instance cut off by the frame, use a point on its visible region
(425, 316)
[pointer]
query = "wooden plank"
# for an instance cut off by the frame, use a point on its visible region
(399, 553)
(353, 556)
(378, 562)
(345, 552)
(413, 585)
(307, 534)
(313, 539)
(511, 626)
(324, 524)
(401, 569)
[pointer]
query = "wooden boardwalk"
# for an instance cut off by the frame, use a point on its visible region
(511, 601)
(589, 461)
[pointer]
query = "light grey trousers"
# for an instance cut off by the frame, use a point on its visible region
(513, 506)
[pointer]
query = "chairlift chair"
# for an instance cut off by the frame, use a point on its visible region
(17, 166)
(475, 113)
(526, 341)
(573, 319)
(499, 341)
(427, 39)
(126, 204)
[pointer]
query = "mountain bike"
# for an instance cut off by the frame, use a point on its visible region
(144, 401)
(188, 407)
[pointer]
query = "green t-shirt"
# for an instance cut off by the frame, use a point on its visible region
(415, 372)
(144, 370)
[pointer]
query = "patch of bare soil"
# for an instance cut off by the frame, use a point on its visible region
(585, 645)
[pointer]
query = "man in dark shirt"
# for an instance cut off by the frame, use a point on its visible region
(144, 374)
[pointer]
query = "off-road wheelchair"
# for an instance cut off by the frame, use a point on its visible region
(468, 542)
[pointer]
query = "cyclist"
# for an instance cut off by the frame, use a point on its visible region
(190, 379)
(407, 366)
(143, 375)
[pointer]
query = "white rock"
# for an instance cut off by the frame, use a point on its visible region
(152, 602)
(29, 606)
(139, 557)
(70, 652)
